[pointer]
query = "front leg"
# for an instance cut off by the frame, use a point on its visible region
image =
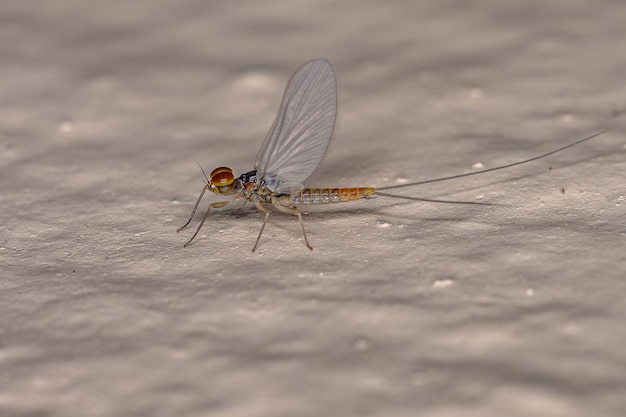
(212, 205)
(193, 212)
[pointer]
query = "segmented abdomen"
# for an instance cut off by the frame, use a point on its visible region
(329, 195)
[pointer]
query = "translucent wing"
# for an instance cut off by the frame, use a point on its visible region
(303, 126)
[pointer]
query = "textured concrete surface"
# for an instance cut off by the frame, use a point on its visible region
(402, 308)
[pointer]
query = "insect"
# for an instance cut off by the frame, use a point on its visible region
(294, 147)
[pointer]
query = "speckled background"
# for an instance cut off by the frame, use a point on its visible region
(402, 308)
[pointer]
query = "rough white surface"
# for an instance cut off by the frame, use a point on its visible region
(514, 309)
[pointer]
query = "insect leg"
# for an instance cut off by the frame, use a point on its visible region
(212, 205)
(295, 212)
(262, 208)
(193, 212)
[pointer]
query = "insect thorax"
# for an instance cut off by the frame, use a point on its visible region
(253, 188)
(248, 177)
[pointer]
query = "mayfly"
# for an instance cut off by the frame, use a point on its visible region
(294, 147)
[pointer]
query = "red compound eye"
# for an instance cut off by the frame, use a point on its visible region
(222, 176)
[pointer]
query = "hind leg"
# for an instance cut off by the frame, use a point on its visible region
(294, 211)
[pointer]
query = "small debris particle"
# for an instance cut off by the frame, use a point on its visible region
(382, 223)
(66, 126)
(476, 93)
(442, 283)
